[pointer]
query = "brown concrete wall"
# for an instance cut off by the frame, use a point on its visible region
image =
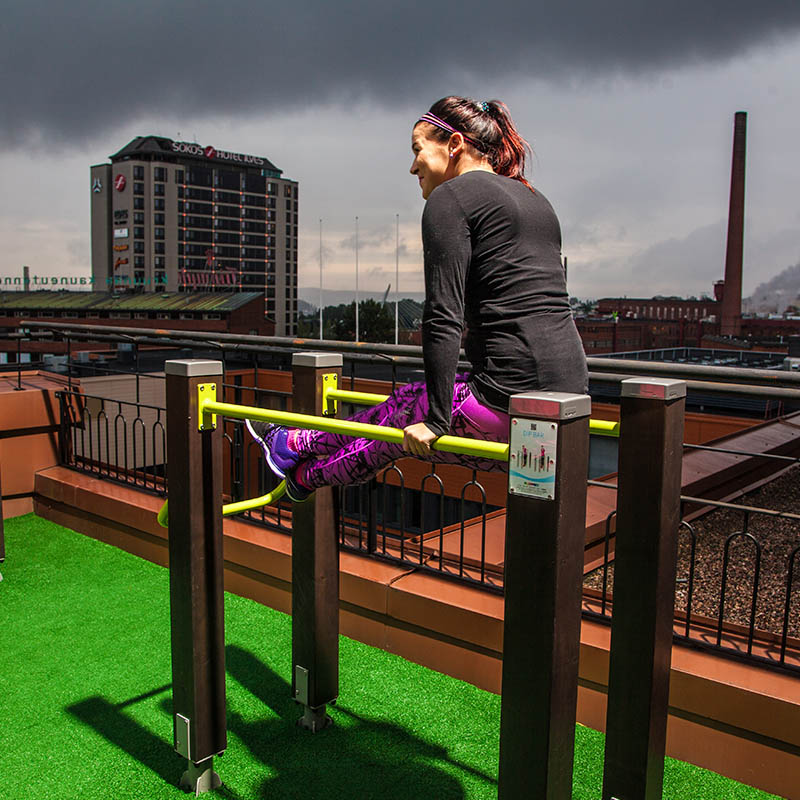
(732, 718)
(28, 435)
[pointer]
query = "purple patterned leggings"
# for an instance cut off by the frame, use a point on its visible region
(335, 459)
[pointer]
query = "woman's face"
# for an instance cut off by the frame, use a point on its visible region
(432, 163)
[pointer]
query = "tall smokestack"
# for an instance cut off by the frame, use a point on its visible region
(732, 297)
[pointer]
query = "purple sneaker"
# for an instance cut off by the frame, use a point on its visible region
(274, 443)
(295, 491)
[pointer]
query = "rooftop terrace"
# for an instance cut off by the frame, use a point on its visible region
(86, 711)
(422, 586)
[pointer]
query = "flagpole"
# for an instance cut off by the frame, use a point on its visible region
(320, 279)
(357, 339)
(397, 281)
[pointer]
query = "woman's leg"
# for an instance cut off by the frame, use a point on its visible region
(335, 459)
(402, 407)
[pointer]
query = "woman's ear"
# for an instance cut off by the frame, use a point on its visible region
(455, 145)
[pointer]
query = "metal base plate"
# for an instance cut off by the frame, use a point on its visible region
(314, 719)
(200, 778)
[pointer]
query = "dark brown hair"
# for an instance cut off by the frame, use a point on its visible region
(490, 125)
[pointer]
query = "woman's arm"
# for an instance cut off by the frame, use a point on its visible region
(447, 251)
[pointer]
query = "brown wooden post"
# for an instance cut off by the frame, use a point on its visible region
(194, 483)
(648, 516)
(315, 566)
(545, 534)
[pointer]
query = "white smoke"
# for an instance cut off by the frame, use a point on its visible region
(776, 295)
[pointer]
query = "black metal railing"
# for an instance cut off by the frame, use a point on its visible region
(119, 440)
(422, 528)
(739, 609)
(737, 590)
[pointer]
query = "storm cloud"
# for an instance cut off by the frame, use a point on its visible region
(73, 71)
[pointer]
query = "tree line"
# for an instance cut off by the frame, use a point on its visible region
(375, 322)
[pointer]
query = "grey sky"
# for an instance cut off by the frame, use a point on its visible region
(629, 107)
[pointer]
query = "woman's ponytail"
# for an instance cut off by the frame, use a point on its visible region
(508, 157)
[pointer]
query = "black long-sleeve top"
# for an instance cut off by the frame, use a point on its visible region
(492, 250)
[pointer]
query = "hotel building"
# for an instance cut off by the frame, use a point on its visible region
(171, 216)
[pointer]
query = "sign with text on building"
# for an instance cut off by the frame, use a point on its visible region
(120, 233)
(120, 183)
(194, 149)
(532, 458)
(120, 247)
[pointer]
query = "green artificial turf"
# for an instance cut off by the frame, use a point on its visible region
(85, 699)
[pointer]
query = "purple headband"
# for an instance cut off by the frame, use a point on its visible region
(432, 119)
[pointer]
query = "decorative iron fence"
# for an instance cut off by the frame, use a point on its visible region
(425, 528)
(118, 440)
(737, 590)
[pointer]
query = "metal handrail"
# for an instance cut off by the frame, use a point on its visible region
(232, 508)
(447, 444)
(716, 374)
(598, 427)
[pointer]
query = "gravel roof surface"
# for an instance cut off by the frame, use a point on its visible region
(776, 539)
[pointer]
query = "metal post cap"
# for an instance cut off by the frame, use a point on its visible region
(193, 367)
(550, 405)
(316, 359)
(654, 388)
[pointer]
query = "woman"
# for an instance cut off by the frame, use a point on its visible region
(492, 251)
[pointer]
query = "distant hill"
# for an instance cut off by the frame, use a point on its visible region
(777, 294)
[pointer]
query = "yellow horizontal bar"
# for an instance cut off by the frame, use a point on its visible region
(447, 444)
(598, 427)
(255, 502)
(603, 427)
(357, 398)
(232, 508)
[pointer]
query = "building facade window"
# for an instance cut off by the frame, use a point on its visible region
(227, 179)
(200, 176)
(138, 173)
(138, 188)
(138, 202)
(193, 193)
(160, 173)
